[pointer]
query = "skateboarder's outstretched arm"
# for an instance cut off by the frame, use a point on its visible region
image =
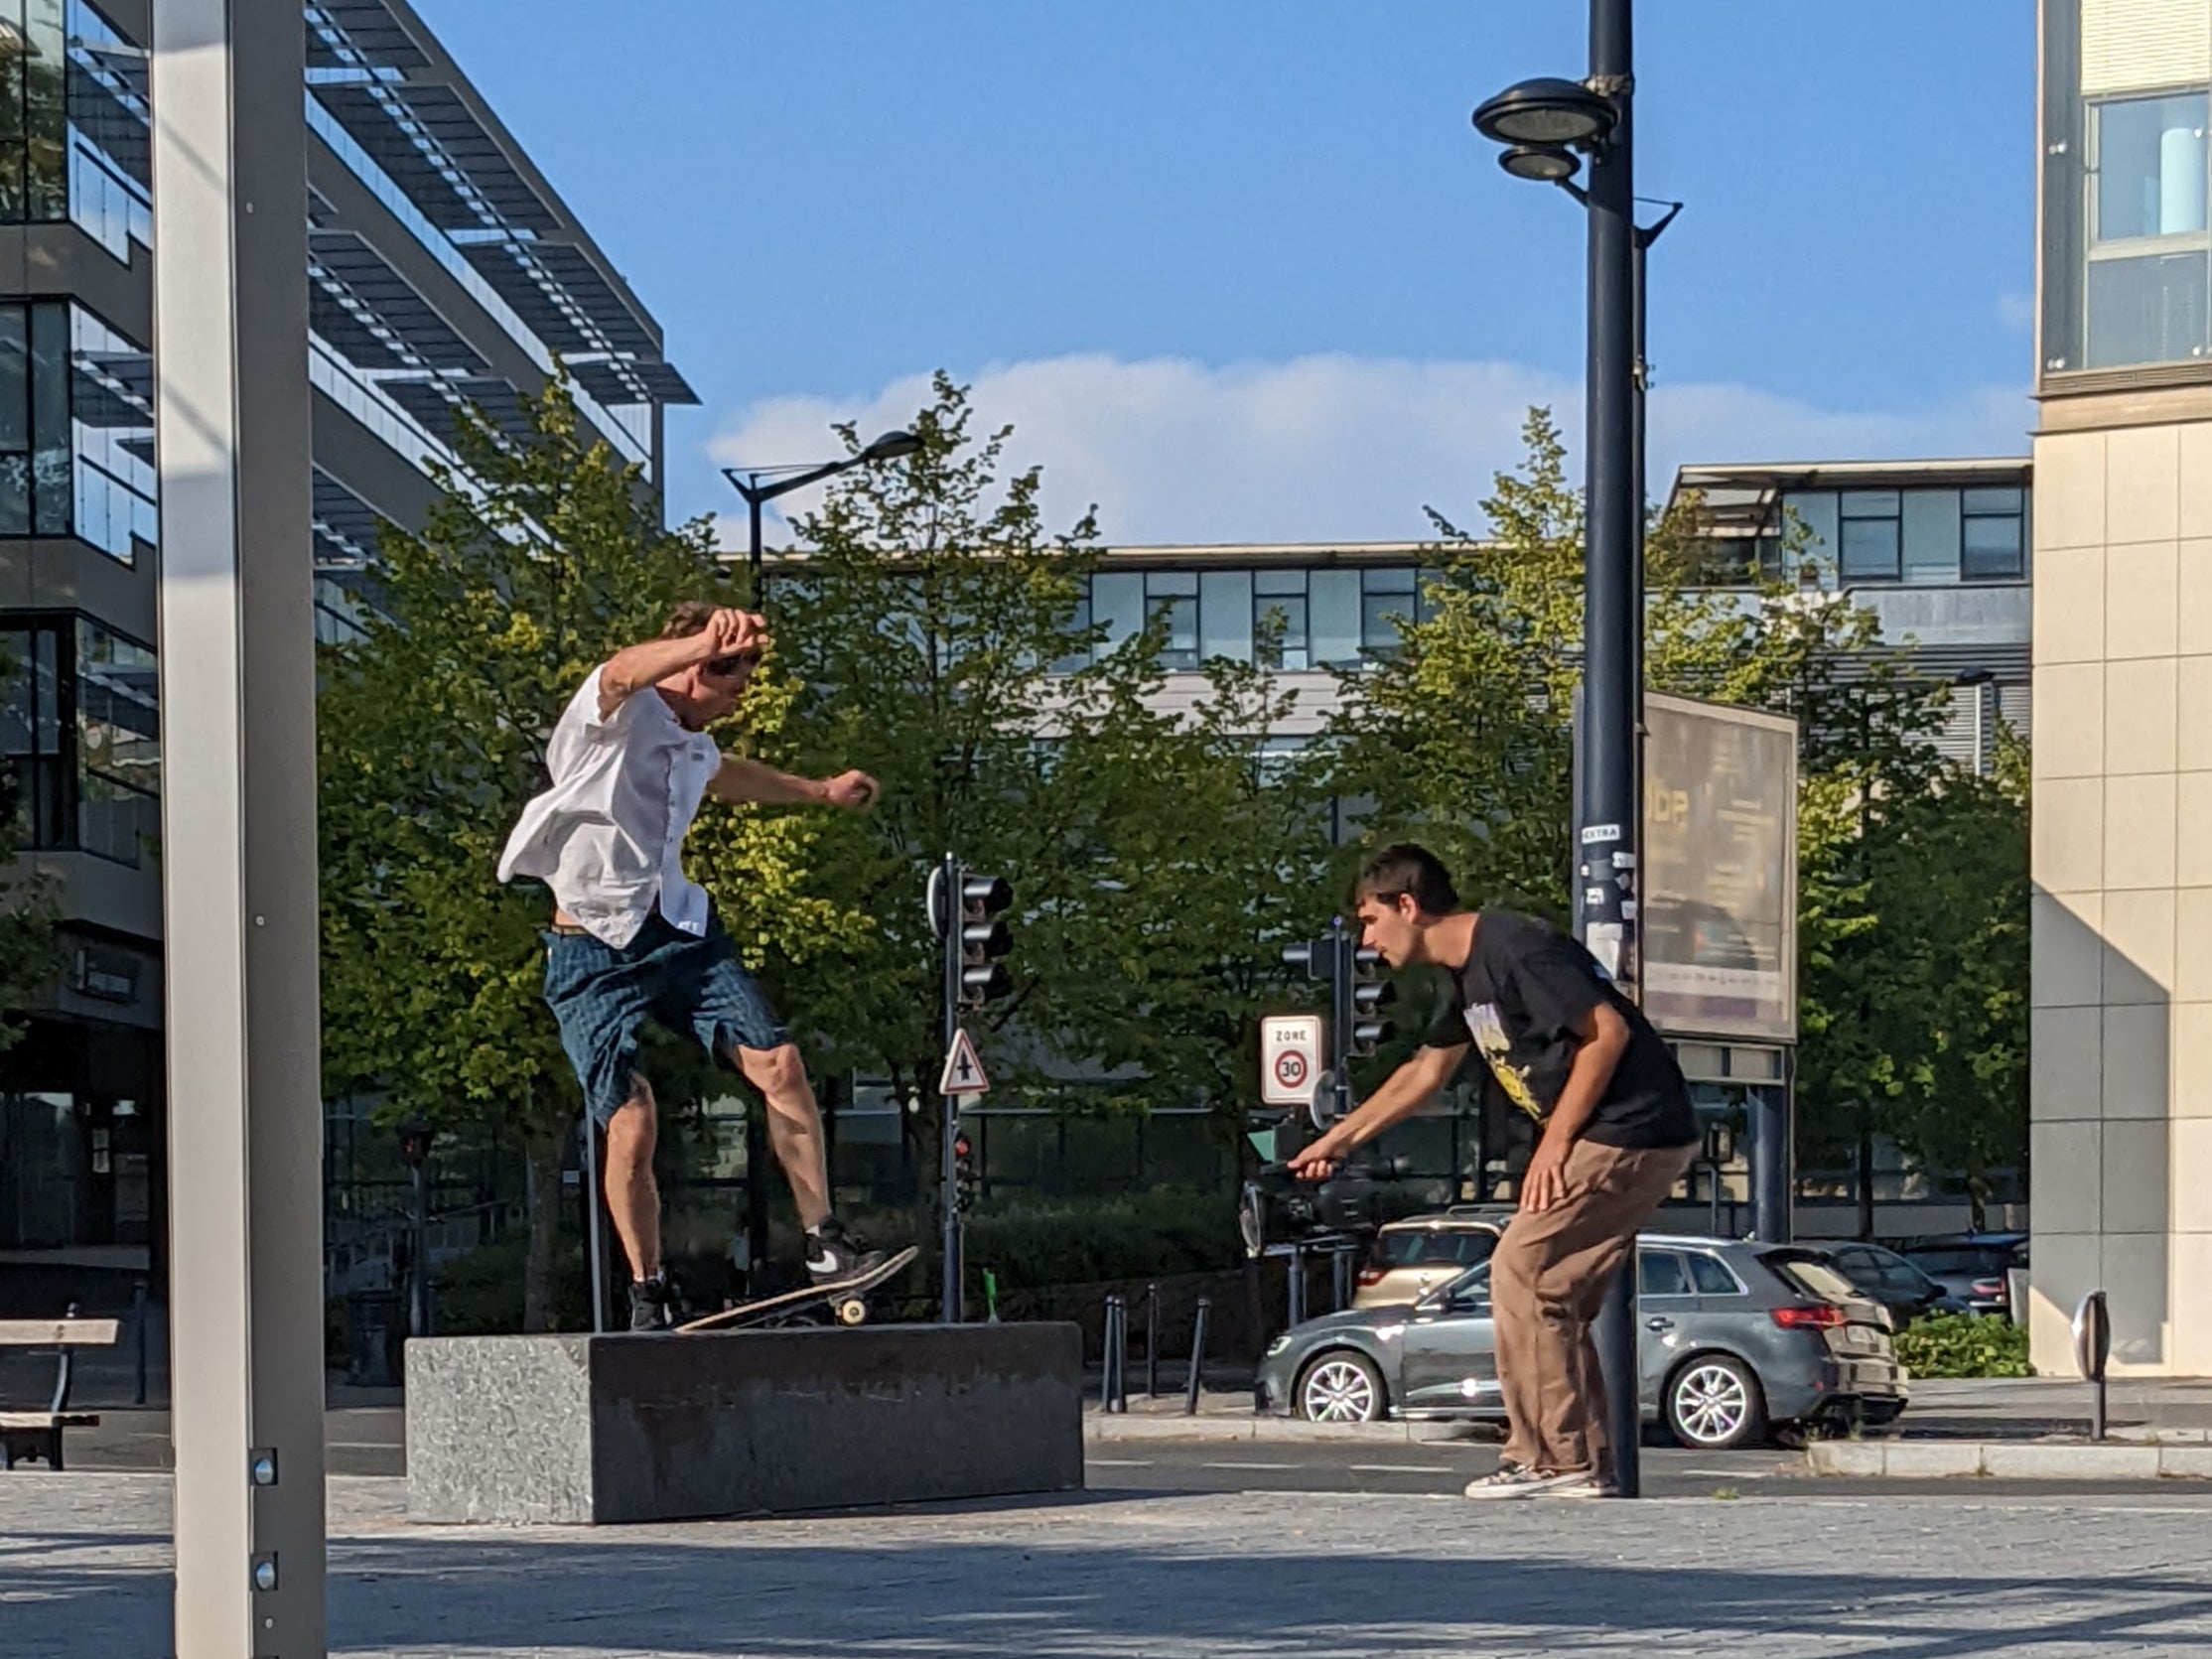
(745, 781)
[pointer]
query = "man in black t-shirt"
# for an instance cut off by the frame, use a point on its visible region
(1616, 1132)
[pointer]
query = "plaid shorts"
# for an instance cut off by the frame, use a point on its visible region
(602, 995)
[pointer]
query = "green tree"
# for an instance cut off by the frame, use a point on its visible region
(935, 623)
(543, 555)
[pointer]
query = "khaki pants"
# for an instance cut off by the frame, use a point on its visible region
(1548, 1281)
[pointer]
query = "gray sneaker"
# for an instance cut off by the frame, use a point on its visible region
(1513, 1481)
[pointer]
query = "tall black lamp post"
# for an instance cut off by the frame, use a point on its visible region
(1548, 125)
(748, 482)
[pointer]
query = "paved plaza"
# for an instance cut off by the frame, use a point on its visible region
(1117, 1574)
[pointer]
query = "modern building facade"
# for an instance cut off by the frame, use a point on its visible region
(444, 270)
(2122, 1092)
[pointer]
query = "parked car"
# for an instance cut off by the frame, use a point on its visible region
(1893, 1281)
(1735, 1340)
(1410, 1258)
(1970, 1266)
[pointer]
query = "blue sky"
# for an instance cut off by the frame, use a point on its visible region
(1242, 270)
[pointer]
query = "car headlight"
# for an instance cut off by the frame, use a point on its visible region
(1278, 1345)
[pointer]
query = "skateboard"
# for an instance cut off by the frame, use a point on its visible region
(846, 1300)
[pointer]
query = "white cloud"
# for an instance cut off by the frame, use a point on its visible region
(1335, 448)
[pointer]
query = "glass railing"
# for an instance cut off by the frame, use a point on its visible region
(104, 204)
(110, 512)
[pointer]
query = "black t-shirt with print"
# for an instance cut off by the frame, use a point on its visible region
(1519, 998)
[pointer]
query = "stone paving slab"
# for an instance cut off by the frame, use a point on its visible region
(1301, 1575)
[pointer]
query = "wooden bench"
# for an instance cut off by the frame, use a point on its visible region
(39, 1434)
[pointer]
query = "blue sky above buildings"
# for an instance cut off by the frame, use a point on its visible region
(1242, 270)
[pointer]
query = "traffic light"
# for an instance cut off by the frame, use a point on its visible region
(1371, 993)
(963, 1171)
(983, 939)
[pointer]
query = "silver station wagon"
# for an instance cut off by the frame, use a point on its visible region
(1737, 1340)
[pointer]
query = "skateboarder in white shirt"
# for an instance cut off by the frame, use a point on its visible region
(633, 936)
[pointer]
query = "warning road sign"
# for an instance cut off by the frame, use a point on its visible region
(1289, 1057)
(963, 1072)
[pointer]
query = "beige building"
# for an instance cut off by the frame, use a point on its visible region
(2122, 1094)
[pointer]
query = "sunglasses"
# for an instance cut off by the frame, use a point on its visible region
(724, 667)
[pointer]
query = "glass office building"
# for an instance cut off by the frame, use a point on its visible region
(444, 269)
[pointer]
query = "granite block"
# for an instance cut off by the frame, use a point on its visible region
(593, 1429)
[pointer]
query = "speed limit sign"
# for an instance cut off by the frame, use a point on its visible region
(1289, 1057)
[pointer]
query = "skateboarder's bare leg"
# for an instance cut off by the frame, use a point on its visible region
(632, 1197)
(794, 1125)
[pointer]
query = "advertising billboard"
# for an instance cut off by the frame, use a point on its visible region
(1719, 871)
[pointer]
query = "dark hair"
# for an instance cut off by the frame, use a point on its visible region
(1405, 869)
(690, 617)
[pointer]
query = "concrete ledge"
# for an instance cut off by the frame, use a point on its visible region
(537, 1430)
(2008, 1460)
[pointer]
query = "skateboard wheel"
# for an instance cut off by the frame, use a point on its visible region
(852, 1311)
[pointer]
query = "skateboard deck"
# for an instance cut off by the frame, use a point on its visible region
(846, 1299)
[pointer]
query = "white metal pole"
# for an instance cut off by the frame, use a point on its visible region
(237, 688)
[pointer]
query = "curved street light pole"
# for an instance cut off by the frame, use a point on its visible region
(746, 482)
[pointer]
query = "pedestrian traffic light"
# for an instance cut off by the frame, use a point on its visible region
(1312, 955)
(984, 940)
(1371, 994)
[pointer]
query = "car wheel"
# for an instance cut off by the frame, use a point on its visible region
(1341, 1387)
(1713, 1402)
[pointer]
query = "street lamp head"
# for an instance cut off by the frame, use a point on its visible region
(1543, 164)
(891, 445)
(1546, 111)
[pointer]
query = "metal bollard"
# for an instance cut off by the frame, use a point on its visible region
(1197, 1358)
(1109, 1347)
(138, 1326)
(1152, 1341)
(1121, 1355)
(2092, 1351)
(1298, 1285)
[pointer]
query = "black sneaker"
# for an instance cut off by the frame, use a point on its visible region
(833, 1254)
(653, 1303)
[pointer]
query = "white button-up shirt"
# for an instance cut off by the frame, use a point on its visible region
(608, 837)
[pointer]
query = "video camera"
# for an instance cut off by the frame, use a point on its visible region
(1278, 1208)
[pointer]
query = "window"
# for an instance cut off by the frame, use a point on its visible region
(30, 734)
(1867, 545)
(1386, 596)
(1992, 534)
(34, 118)
(73, 130)
(118, 745)
(1172, 597)
(81, 735)
(1662, 1272)
(1284, 620)
(1713, 1278)
(2127, 119)
(2147, 273)
(1279, 604)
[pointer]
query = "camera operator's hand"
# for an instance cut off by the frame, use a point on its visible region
(1544, 1182)
(1322, 1158)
